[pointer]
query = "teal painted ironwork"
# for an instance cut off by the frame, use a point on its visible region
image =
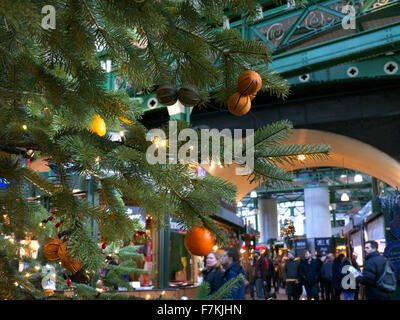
(369, 68)
(337, 51)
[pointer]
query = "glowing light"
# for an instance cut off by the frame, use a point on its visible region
(121, 133)
(37, 268)
(162, 293)
(215, 248)
(358, 178)
(160, 143)
(16, 284)
(40, 224)
(11, 240)
(239, 204)
(147, 297)
(253, 194)
(35, 245)
(301, 157)
(25, 127)
(99, 290)
(344, 197)
(242, 251)
(27, 275)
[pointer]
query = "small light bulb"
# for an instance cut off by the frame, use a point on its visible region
(121, 133)
(16, 284)
(162, 293)
(147, 297)
(301, 157)
(37, 268)
(27, 275)
(24, 127)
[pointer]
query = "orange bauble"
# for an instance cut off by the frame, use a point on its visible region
(239, 104)
(199, 241)
(249, 82)
(67, 262)
(98, 125)
(50, 249)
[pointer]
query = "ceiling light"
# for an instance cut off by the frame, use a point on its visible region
(239, 204)
(253, 194)
(358, 178)
(344, 197)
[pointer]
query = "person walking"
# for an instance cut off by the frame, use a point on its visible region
(348, 293)
(326, 277)
(354, 263)
(213, 273)
(281, 280)
(337, 276)
(318, 258)
(230, 261)
(250, 276)
(309, 272)
(373, 269)
(275, 274)
(270, 274)
(291, 276)
(260, 274)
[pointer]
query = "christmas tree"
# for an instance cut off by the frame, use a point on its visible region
(55, 106)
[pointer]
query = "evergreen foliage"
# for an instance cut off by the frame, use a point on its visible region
(52, 85)
(222, 293)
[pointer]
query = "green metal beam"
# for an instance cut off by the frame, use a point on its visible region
(337, 51)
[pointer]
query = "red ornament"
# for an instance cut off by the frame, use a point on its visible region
(69, 282)
(104, 245)
(58, 224)
(50, 218)
(102, 251)
(199, 241)
(65, 239)
(54, 211)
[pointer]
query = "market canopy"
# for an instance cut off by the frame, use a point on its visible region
(346, 153)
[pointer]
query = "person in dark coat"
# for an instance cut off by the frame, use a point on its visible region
(260, 273)
(326, 277)
(213, 273)
(337, 276)
(373, 268)
(354, 263)
(348, 293)
(291, 276)
(269, 274)
(230, 261)
(309, 272)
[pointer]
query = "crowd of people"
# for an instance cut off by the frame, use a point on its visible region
(321, 278)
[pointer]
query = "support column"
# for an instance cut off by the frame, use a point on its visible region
(268, 219)
(318, 218)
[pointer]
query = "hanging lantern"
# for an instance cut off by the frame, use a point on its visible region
(199, 241)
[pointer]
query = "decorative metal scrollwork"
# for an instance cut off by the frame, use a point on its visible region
(275, 32)
(379, 3)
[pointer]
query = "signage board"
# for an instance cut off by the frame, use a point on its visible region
(323, 246)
